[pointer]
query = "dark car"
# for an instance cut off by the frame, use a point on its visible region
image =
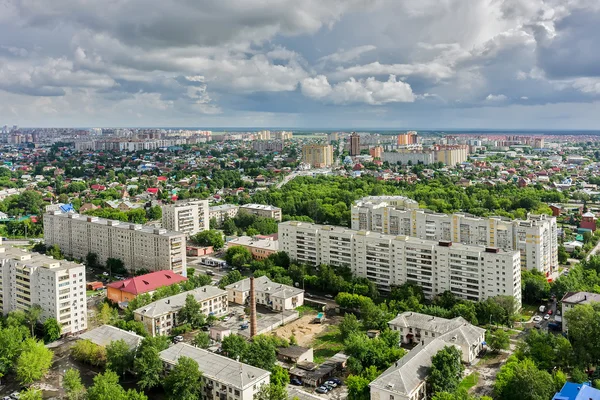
(337, 381)
(296, 381)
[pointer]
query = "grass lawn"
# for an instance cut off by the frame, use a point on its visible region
(527, 311)
(303, 310)
(89, 293)
(327, 344)
(469, 381)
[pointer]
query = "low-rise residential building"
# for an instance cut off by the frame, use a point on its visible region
(223, 378)
(573, 299)
(160, 317)
(189, 217)
(128, 289)
(262, 210)
(470, 272)
(58, 287)
(577, 391)
(416, 327)
(274, 295)
(222, 212)
(138, 246)
(260, 248)
(106, 334)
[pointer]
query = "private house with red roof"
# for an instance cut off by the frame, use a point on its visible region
(129, 289)
(152, 190)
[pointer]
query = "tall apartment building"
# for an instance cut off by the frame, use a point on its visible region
(262, 210)
(139, 247)
(408, 138)
(318, 155)
(470, 272)
(282, 135)
(354, 144)
(189, 217)
(451, 154)
(535, 238)
(58, 287)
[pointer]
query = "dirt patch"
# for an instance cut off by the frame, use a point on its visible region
(303, 329)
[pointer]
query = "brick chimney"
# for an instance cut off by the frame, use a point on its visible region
(252, 308)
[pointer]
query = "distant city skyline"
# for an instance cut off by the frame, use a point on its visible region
(315, 64)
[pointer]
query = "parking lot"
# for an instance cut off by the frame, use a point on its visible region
(266, 321)
(542, 320)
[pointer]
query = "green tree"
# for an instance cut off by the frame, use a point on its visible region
(349, 325)
(73, 386)
(88, 352)
(578, 375)
(358, 387)
(201, 340)
(280, 376)
(262, 352)
(184, 380)
(33, 315)
(583, 322)
(563, 256)
(535, 286)
(106, 386)
(34, 362)
(191, 313)
(231, 277)
(497, 340)
(148, 367)
(521, 380)
(11, 345)
(107, 314)
(52, 330)
(119, 357)
(31, 394)
(210, 237)
(213, 223)
(229, 227)
(115, 266)
(91, 260)
(234, 346)
(271, 392)
(55, 252)
(154, 213)
(446, 370)
(238, 256)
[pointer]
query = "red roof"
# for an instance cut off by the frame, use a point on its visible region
(153, 190)
(98, 187)
(161, 178)
(147, 283)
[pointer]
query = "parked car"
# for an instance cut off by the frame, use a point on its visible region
(337, 381)
(331, 383)
(209, 273)
(549, 312)
(15, 395)
(329, 296)
(537, 318)
(178, 339)
(296, 381)
(244, 326)
(8, 398)
(547, 317)
(321, 389)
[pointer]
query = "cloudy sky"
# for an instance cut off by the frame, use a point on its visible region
(428, 64)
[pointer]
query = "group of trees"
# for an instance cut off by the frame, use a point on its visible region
(211, 237)
(251, 224)
(259, 352)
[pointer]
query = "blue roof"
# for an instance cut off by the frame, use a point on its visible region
(67, 208)
(577, 391)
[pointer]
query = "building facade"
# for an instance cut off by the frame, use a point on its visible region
(276, 296)
(189, 217)
(573, 299)
(354, 144)
(130, 288)
(160, 317)
(262, 210)
(58, 287)
(222, 212)
(139, 247)
(535, 238)
(260, 248)
(223, 378)
(468, 271)
(318, 155)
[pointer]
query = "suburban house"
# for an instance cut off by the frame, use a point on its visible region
(572, 299)
(128, 289)
(160, 317)
(276, 296)
(421, 328)
(222, 377)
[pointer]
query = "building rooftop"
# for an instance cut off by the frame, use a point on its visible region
(223, 207)
(577, 391)
(216, 367)
(148, 282)
(292, 351)
(118, 224)
(37, 260)
(105, 334)
(260, 207)
(580, 298)
(267, 244)
(264, 284)
(175, 303)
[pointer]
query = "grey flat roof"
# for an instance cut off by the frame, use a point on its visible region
(264, 284)
(36, 259)
(105, 334)
(216, 367)
(175, 303)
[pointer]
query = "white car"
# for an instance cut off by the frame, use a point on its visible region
(537, 318)
(546, 317)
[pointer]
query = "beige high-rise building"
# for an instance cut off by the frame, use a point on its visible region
(318, 155)
(470, 272)
(535, 238)
(58, 287)
(139, 247)
(189, 217)
(452, 155)
(282, 135)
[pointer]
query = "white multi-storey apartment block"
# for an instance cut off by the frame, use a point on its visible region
(189, 217)
(470, 272)
(58, 287)
(222, 212)
(535, 238)
(136, 245)
(262, 210)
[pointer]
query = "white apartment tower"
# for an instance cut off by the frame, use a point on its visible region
(189, 217)
(535, 238)
(139, 247)
(58, 287)
(469, 271)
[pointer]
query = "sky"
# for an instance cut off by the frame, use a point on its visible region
(394, 64)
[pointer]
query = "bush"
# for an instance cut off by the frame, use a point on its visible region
(178, 330)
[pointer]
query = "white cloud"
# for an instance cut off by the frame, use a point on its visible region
(496, 98)
(368, 91)
(432, 70)
(344, 56)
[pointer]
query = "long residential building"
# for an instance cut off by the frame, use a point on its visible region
(160, 317)
(468, 271)
(535, 238)
(58, 287)
(262, 210)
(223, 212)
(223, 378)
(139, 247)
(189, 217)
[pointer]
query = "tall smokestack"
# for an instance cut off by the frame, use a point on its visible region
(252, 308)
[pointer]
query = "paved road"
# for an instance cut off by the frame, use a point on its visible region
(593, 251)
